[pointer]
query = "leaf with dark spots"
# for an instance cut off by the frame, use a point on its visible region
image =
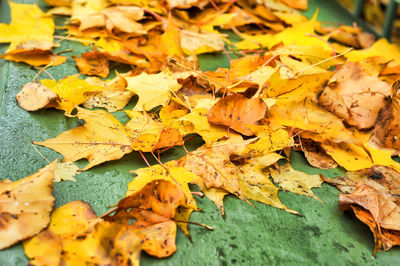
(153, 207)
(23, 213)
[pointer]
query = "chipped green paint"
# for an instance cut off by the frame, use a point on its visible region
(249, 236)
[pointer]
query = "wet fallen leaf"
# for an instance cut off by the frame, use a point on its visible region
(65, 171)
(316, 155)
(102, 138)
(372, 194)
(26, 205)
(71, 91)
(89, 240)
(255, 181)
(34, 96)
(153, 208)
(29, 33)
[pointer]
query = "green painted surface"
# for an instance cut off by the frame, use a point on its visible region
(248, 236)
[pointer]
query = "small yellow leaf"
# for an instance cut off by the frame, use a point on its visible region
(296, 181)
(65, 171)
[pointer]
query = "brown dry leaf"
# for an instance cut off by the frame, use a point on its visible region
(384, 238)
(176, 175)
(93, 63)
(153, 208)
(386, 213)
(355, 96)
(296, 181)
(316, 155)
(236, 112)
(26, 205)
(90, 240)
(372, 194)
(102, 138)
(34, 96)
(386, 130)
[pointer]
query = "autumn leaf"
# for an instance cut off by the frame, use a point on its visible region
(255, 181)
(236, 112)
(26, 205)
(71, 91)
(214, 167)
(93, 63)
(34, 96)
(381, 48)
(197, 122)
(102, 138)
(153, 89)
(199, 43)
(148, 135)
(350, 156)
(117, 18)
(309, 116)
(371, 194)
(316, 155)
(355, 96)
(268, 141)
(296, 181)
(112, 96)
(90, 240)
(65, 171)
(153, 208)
(26, 41)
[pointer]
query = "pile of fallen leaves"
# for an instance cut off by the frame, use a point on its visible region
(330, 92)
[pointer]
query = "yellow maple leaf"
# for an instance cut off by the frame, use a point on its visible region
(28, 24)
(71, 90)
(296, 181)
(148, 135)
(255, 181)
(153, 89)
(292, 35)
(197, 122)
(102, 138)
(381, 48)
(200, 43)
